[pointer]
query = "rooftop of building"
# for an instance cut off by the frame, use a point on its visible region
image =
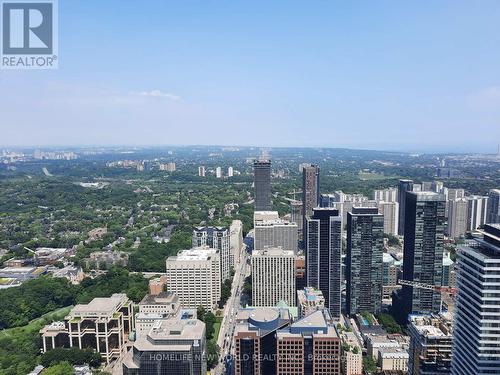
(431, 325)
(209, 229)
(261, 319)
(101, 305)
(274, 222)
(175, 334)
(316, 323)
(164, 298)
(194, 254)
(273, 251)
(396, 353)
(310, 294)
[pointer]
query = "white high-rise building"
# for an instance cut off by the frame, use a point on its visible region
(476, 213)
(218, 172)
(476, 330)
(457, 217)
(236, 242)
(276, 233)
(273, 277)
(230, 172)
(215, 238)
(201, 171)
(194, 275)
(390, 210)
(386, 195)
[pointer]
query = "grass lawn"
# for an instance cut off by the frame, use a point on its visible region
(20, 346)
(218, 321)
(366, 176)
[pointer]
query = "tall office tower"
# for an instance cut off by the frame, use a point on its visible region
(194, 275)
(386, 195)
(404, 186)
(493, 215)
(430, 345)
(201, 171)
(476, 330)
(364, 271)
(235, 242)
(273, 277)
(476, 212)
(390, 210)
(310, 190)
(296, 214)
(309, 346)
(323, 256)
(262, 183)
(255, 339)
(457, 217)
(218, 172)
(423, 251)
(275, 233)
(215, 238)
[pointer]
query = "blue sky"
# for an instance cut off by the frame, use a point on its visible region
(396, 75)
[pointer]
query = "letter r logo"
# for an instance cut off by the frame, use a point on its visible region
(27, 28)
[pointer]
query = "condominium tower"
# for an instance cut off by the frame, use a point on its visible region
(323, 256)
(423, 251)
(476, 331)
(364, 271)
(194, 275)
(273, 277)
(215, 238)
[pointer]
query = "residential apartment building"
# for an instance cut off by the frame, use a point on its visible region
(273, 277)
(476, 329)
(323, 256)
(194, 276)
(390, 211)
(476, 212)
(364, 265)
(423, 252)
(276, 233)
(216, 238)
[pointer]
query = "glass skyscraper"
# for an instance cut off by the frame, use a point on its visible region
(262, 182)
(364, 271)
(323, 255)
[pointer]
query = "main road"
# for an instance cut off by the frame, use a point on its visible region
(230, 310)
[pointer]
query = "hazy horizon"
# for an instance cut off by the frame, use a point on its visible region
(405, 77)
